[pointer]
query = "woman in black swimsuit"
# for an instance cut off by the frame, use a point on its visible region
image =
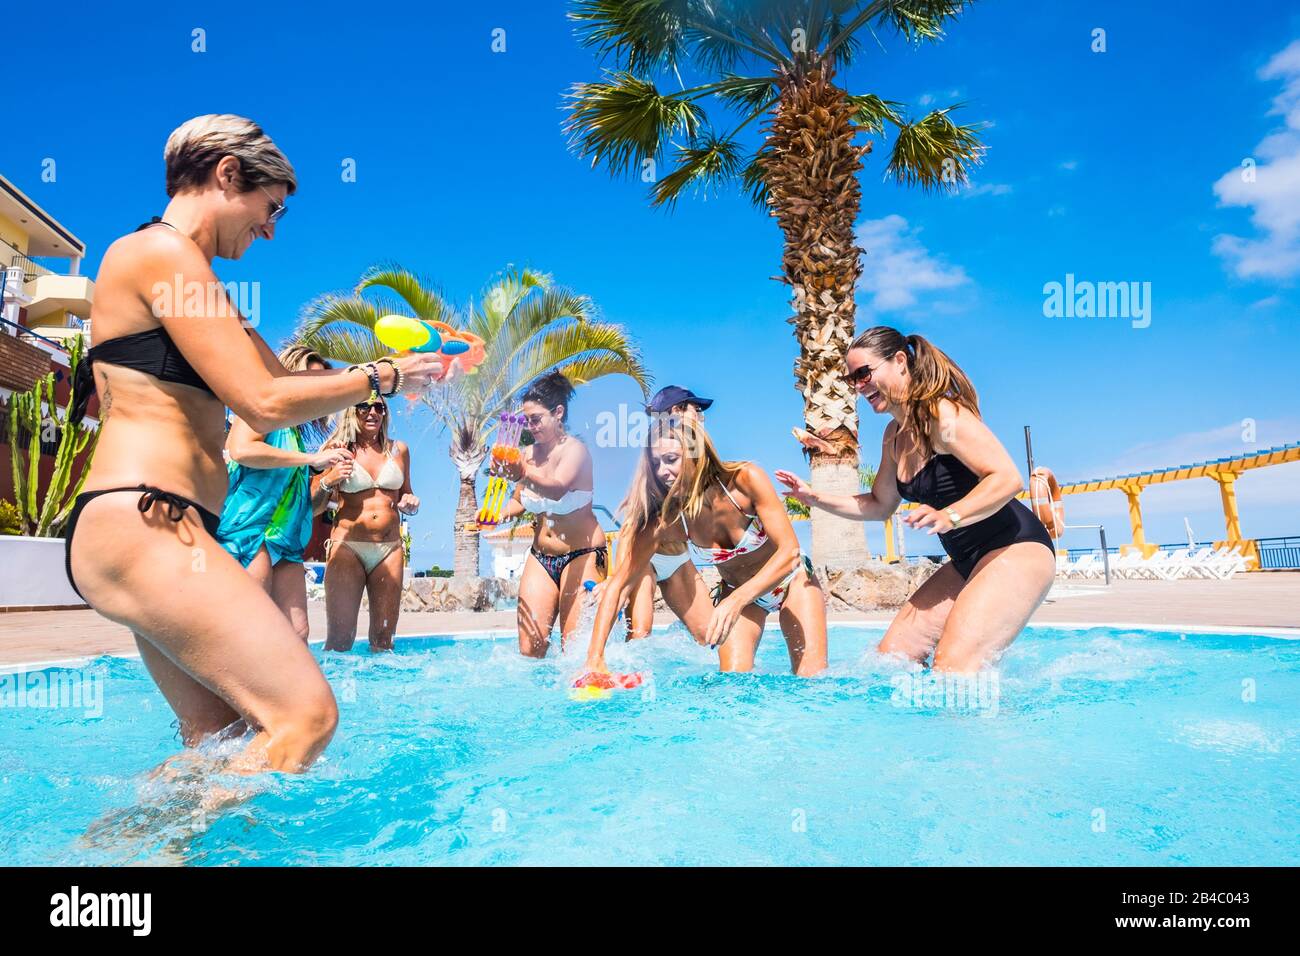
(965, 485)
(170, 353)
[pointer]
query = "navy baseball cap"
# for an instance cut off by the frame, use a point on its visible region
(670, 396)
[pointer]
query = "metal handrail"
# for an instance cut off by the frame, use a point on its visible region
(23, 330)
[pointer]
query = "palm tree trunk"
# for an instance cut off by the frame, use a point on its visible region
(467, 539)
(812, 169)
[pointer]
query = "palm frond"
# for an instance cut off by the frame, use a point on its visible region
(705, 165)
(623, 122)
(871, 111)
(642, 34)
(754, 177)
(934, 152)
(416, 291)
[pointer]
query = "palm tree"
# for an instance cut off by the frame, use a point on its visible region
(803, 169)
(530, 326)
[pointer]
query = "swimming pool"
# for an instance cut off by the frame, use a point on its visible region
(1096, 746)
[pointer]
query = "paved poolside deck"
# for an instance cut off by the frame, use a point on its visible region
(1262, 601)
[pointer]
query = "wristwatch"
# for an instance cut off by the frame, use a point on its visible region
(952, 516)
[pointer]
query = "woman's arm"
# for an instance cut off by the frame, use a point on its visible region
(568, 470)
(753, 481)
(875, 505)
(966, 436)
(227, 358)
(249, 448)
(407, 502)
(636, 552)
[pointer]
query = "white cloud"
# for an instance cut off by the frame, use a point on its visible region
(1269, 186)
(897, 267)
(985, 189)
(1069, 165)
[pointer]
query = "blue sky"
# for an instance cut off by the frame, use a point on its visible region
(1114, 166)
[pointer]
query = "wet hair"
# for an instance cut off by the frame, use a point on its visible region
(934, 377)
(196, 146)
(550, 391)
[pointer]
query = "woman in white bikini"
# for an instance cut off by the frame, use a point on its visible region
(554, 482)
(365, 548)
(683, 493)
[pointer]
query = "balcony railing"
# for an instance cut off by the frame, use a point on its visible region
(10, 256)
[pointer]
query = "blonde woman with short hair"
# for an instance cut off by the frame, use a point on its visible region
(725, 514)
(141, 546)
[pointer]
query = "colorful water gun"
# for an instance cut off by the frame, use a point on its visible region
(505, 450)
(405, 334)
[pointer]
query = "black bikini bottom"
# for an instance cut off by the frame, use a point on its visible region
(556, 563)
(176, 506)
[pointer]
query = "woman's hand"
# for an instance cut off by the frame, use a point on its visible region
(724, 618)
(420, 370)
(796, 487)
(338, 473)
(408, 504)
(924, 518)
(327, 457)
(513, 470)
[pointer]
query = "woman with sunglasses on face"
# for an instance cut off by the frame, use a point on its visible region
(266, 523)
(373, 485)
(554, 481)
(939, 453)
(727, 515)
(140, 539)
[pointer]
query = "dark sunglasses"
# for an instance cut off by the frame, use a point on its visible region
(363, 407)
(278, 209)
(857, 376)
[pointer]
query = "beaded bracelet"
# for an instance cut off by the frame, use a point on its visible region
(398, 377)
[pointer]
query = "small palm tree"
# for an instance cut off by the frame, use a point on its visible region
(530, 326)
(803, 169)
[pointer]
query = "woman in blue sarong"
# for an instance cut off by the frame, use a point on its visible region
(267, 519)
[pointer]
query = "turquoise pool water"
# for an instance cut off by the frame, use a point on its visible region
(1091, 747)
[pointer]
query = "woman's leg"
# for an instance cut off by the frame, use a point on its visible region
(199, 610)
(803, 622)
(573, 595)
(384, 588)
(688, 597)
(641, 607)
(738, 650)
(345, 579)
(916, 627)
(260, 568)
(199, 711)
(1003, 592)
(289, 591)
(539, 600)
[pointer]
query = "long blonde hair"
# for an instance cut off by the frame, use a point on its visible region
(347, 430)
(649, 501)
(934, 377)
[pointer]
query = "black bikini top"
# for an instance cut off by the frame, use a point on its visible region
(151, 351)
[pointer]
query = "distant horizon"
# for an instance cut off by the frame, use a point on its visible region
(1184, 350)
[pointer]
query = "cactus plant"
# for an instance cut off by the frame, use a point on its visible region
(33, 416)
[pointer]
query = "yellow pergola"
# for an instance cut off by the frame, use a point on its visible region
(1223, 471)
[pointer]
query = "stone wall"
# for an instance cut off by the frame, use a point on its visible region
(872, 587)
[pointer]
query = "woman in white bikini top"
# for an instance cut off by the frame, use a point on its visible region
(554, 482)
(365, 553)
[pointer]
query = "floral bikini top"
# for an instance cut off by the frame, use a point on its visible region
(753, 539)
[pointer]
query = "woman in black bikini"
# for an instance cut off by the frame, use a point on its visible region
(554, 482)
(965, 484)
(171, 352)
